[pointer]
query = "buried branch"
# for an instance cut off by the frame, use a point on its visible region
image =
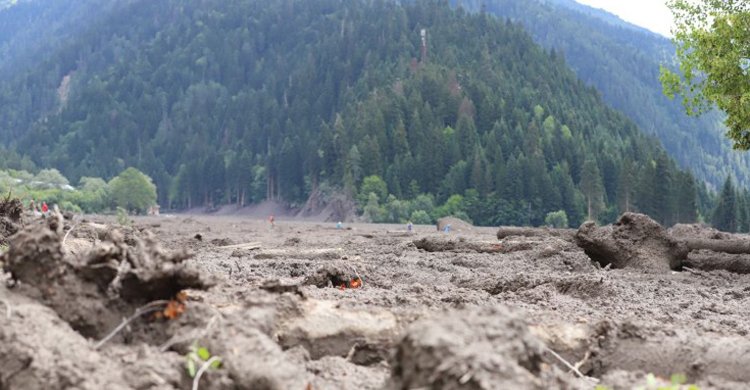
(570, 366)
(145, 309)
(206, 365)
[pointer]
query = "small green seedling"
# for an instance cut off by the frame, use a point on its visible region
(197, 357)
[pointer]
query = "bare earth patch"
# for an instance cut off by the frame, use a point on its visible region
(303, 305)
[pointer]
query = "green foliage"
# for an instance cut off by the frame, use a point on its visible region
(421, 217)
(132, 190)
(556, 219)
(622, 61)
(3, 248)
(197, 357)
(373, 185)
(123, 219)
(726, 214)
(713, 41)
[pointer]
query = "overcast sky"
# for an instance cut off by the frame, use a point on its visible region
(651, 14)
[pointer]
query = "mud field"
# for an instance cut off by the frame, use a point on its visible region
(304, 305)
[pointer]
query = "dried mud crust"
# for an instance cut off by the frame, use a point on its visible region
(445, 319)
(474, 349)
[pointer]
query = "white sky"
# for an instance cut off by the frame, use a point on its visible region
(651, 14)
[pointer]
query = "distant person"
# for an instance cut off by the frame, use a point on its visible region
(339, 225)
(447, 228)
(271, 220)
(45, 208)
(409, 227)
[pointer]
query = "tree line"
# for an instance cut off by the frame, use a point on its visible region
(236, 101)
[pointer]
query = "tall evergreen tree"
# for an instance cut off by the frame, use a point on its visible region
(592, 188)
(725, 216)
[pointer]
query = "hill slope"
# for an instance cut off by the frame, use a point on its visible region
(236, 101)
(622, 62)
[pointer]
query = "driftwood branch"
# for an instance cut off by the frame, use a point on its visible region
(145, 309)
(206, 365)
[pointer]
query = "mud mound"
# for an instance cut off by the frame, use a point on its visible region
(701, 231)
(474, 349)
(95, 291)
(635, 241)
(457, 225)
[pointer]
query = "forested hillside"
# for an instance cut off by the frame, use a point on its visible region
(237, 101)
(622, 62)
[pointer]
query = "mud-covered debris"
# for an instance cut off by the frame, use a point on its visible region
(325, 329)
(707, 260)
(95, 291)
(331, 275)
(635, 241)
(701, 231)
(34, 256)
(279, 287)
(489, 348)
(11, 208)
(445, 244)
(223, 242)
(456, 225)
(293, 241)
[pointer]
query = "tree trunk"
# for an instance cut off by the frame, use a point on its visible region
(736, 247)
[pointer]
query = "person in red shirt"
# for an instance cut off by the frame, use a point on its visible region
(44, 207)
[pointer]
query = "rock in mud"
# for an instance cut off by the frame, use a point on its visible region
(324, 329)
(490, 348)
(635, 241)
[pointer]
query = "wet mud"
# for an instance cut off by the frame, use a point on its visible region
(302, 305)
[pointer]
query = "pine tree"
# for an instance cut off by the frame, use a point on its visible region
(592, 187)
(725, 217)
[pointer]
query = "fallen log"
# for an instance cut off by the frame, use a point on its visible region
(737, 247)
(706, 260)
(508, 231)
(440, 244)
